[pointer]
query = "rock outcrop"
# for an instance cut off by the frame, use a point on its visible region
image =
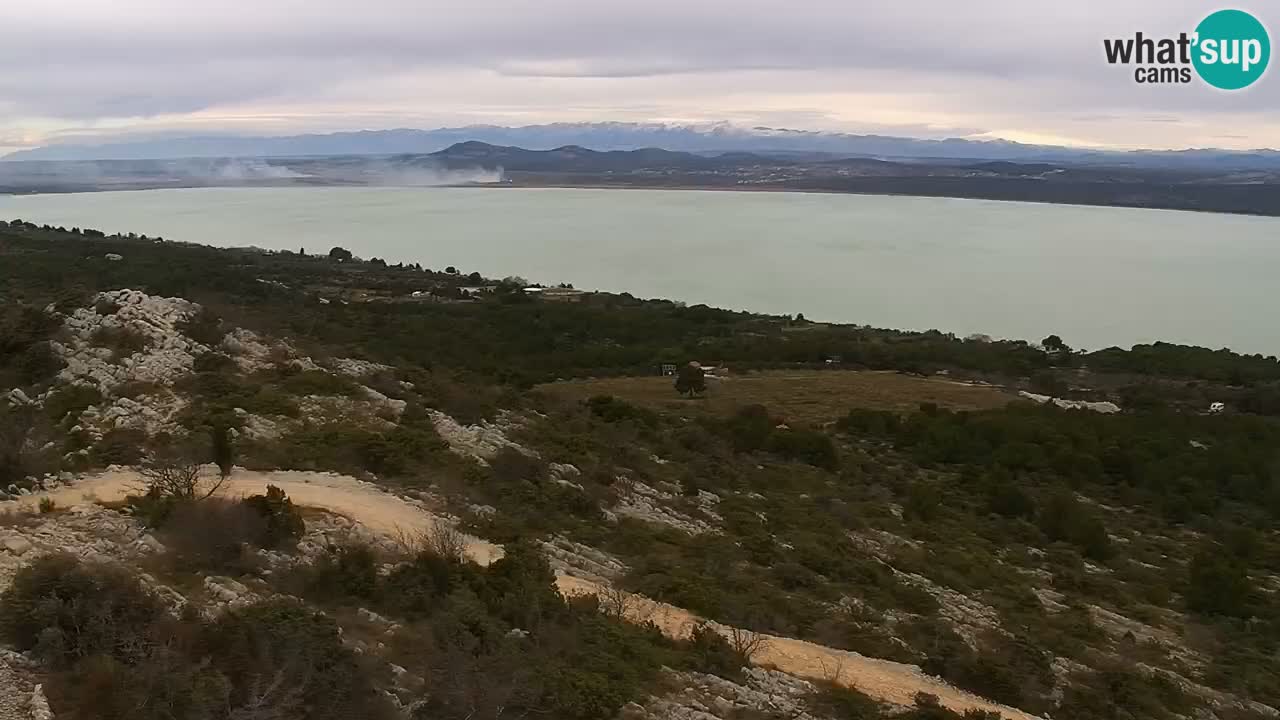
(1100, 407)
(479, 442)
(166, 354)
(763, 693)
(644, 502)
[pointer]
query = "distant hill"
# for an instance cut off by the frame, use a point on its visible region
(698, 138)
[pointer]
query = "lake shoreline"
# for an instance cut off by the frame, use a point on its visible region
(624, 186)
(1093, 275)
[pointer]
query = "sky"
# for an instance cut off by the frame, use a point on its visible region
(1026, 70)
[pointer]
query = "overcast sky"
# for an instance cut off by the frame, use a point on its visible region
(1018, 69)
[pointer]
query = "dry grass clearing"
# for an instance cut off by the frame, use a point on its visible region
(813, 396)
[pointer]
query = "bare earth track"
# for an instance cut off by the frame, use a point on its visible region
(386, 513)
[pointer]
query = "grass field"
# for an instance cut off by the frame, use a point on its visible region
(806, 396)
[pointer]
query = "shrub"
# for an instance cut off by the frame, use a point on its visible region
(65, 611)
(1218, 584)
(348, 573)
(105, 306)
(613, 410)
(164, 686)
(37, 363)
(838, 701)
(120, 446)
(122, 341)
(401, 450)
(803, 445)
(713, 653)
(71, 400)
(213, 534)
(283, 521)
(282, 651)
(1066, 519)
(47, 505)
(318, 382)
(204, 327)
(510, 466)
(213, 362)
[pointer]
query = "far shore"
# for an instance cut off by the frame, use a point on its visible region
(696, 187)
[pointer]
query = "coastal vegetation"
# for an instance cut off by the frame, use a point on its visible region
(890, 493)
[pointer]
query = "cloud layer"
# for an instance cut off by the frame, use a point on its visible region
(1005, 68)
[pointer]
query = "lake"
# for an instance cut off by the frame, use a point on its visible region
(1096, 276)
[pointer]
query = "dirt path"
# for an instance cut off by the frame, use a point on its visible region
(890, 682)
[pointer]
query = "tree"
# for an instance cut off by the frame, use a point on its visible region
(451, 270)
(340, 254)
(223, 450)
(1054, 344)
(173, 472)
(691, 380)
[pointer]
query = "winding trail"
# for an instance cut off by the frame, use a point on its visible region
(383, 512)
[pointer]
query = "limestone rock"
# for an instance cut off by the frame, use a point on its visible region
(351, 367)
(17, 545)
(1107, 408)
(18, 398)
(39, 705)
(479, 442)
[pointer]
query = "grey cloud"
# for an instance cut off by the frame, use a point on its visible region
(85, 60)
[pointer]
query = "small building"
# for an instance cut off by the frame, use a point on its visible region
(668, 369)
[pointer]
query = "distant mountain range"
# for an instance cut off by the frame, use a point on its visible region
(472, 162)
(700, 138)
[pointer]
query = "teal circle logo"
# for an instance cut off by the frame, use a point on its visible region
(1232, 49)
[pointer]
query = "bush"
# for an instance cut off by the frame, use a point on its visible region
(73, 399)
(213, 534)
(806, 446)
(66, 611)
(204, 327)
(318, 382)
(213, 362)
(1066, 519)
(122, 341)
(104, 306)
(164, 686)
(216, 533)
(120, 446)
(713, 653)
(510, 466)
(348, 573)
(284, 523)
(282, 644)
(838, 701)
(1218, 584)
(612, 410)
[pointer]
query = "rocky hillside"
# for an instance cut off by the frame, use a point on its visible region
(753, 552)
